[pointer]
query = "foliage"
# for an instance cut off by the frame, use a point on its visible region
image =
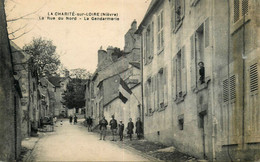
(74, 96)
(44, 56)
(80, 73)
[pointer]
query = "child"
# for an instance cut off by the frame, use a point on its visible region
(121, 130)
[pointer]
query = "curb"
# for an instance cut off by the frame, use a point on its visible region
(28, 155)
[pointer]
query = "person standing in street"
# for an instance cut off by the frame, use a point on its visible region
(130, 127)
(75, 119)
(139, 128)
(70, 119)
(89, 122)
(121, 127)
(113, 126)
(103, 127)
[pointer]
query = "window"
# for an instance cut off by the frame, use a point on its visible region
(148, 96)
(149, 43)
(240, 8)
(253, 74)
(231, 84)
(177, 13)
(181, 122)
(161, 88)
(198, 42)
(160, 39)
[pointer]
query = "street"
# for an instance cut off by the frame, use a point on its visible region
(75, 143)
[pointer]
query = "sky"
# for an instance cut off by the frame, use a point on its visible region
(78, 40)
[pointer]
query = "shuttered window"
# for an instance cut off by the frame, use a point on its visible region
(160, 39)
(206, 35)
(253, 72)
(232, 88)
(240, 8)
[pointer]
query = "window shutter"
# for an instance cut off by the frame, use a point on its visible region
(155, 92)
(253, 74)
(174, 73)
(225, 90)
(245, 7)
(158, 90)
(206, 35)
(232, 85)
(145, 97)
(182, 8)
(193, 63)
(173, 15)
(183, 71)
(236, 10)
(152, 39)
(165, 86)
(144, 49)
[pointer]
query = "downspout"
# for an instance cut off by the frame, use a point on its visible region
(142, 87)
(212, 75)
(228, 62)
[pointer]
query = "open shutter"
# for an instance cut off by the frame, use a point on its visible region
(206, 35)
(165, 86)
(193, 63)
(152, 39)
(174, 72)
(144, 49)
(183, 71)
(158, 91)
(145, 97)
(182, 8)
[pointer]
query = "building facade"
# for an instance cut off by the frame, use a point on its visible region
(200, 76)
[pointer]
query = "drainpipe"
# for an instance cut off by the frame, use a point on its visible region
(142, 86)
(213, 81)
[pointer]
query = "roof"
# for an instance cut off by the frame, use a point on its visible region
(151, 7)
(55, 80)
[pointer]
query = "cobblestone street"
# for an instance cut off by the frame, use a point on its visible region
(74, 143)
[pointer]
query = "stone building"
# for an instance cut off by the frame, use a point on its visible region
(60, 85)
(10, 94)
(113, 63)
(200, 77)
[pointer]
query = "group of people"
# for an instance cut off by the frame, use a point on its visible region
(120, 127)
(75, 119)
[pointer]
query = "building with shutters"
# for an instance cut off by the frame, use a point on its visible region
(200, 77)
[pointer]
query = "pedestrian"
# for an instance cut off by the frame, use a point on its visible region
(113, 126)
(139, 128)
(75, 119)
(70, 119)
(55, 119)
(130, 127)
(103, 127)
(201, 72)
(61, 122)
(121, 127)
(89, 123)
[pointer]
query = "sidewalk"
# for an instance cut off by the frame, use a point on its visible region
(150, 150)
(28, 144)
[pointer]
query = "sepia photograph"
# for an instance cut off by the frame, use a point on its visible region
(130, 80)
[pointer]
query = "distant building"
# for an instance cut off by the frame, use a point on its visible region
(60, 85)
(102, 89)
(200, 77)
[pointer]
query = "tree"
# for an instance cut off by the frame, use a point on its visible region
(80, 73)
(44, 56)
(74, 96)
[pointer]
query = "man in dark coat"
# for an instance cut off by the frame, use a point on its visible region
(103, 127)
(113, 126)
(89, 122)
(75, 119)
(121, 127)
(139, 128)
(130, 127)
(70, 119)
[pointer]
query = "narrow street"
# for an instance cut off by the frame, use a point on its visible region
(75, 143)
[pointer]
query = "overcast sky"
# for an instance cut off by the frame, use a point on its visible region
(77, 41)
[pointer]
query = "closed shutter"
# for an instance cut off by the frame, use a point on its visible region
(236, 10)
(193, 63)
(206, 35)
(245, 7)
(165, 86)
(225, 90)
(182, 3)
(158, 90)
(253, 73)
(145, 97)
(144, 48)
(174, 85)
(152, 39)
(183, 71)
